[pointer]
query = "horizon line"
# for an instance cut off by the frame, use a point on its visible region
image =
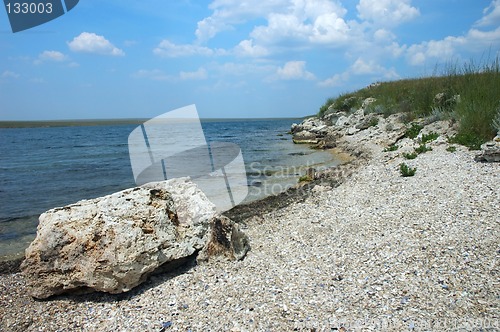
(110, 121)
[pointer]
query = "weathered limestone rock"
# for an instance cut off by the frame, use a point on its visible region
(490, 151)
(331, 118)
(309, 124)
(113, 243)
(225, 239)
(351, 130)
(342, 121)
(366, 122)
(305, 137)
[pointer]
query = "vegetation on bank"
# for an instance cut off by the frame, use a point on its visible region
(406, 171)
(469, 95)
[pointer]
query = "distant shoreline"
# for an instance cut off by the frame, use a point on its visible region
(109, 122)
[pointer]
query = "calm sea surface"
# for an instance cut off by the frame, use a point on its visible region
(46, 167)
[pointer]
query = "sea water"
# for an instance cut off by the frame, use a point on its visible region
(46, 167)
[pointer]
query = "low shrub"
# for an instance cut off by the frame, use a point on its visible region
(413, 131)
(422, 149)
(451, 149)
(393, 147)
(412, 155)
(468, 139)
(406, 171)
(325, 106)
(373, 122)
(305, 178)
(429, 137)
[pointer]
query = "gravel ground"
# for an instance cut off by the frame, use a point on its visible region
(380, 252)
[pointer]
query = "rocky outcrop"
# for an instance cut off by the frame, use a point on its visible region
(111, 244)
(490, 151)
(310, 131)
(225, 240)
(305, 137)
(324, 132)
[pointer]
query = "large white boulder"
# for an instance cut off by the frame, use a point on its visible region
(113, 243)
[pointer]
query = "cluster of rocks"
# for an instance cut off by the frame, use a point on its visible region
(490, 151)
(369, 128)
(113, 243)
(325, 132)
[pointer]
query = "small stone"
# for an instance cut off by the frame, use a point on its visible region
(490, 152)
(352, 131)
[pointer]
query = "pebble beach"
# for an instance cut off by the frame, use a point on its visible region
(371, 251)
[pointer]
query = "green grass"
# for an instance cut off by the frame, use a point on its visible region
(422, 149)
(478, 104)
(451, 149)
(429, 137)
(406, 171)
(326, 105)
(393, 147)
(413, 131)
(305, 178)
(412, 155)
(373, 122)
(468, 139)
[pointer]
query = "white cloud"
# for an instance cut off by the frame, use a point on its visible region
(52, 56)
(483, 39)
(371, 67)
(387, 12)
(247, 48)
(168, 49)
(200, 74)
(383, 36)
(10, 74)
(294, 70)
(209, 27)
(329, 28)
(287, 21)
(227, 13)
(474, 40)
(360, 67)
(294, 25)
(436, 50)
(91, 43)
(335, 81)
(491, 15)
(315, 22)
(281, 27)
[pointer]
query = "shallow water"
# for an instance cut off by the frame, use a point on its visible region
(46, 167)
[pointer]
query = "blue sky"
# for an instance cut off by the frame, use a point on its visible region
(232, 58)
